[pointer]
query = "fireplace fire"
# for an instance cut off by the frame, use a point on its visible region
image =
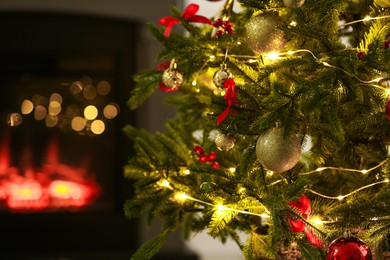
(52, 186)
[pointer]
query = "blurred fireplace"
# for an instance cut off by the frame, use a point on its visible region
(64, 82)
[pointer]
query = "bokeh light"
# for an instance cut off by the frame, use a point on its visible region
(103, 88)
(26, 107)
(54, 108)
(89, 92)
(110, 111)
(78, 123)
(40, 112)
(98, 127)
(51, 121)
(90, 112)
(76, 87)
(14, 119)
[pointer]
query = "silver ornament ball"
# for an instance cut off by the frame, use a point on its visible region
(262, 34)
(220, 76)
(293, 3)
(224, 142)
(277, 152)
(172, 78)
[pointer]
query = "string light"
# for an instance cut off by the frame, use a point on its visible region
(341, 197)
(364, 171)
(365, 19)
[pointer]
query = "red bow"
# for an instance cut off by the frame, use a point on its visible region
(230, 96)
(188, 14)
(296, 226)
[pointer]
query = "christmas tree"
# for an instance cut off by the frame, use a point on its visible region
(281, 133)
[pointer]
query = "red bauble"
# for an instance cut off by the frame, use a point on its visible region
(347, 248)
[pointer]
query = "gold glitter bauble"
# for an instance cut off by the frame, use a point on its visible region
(172, 78)
(277, 153)
(262, 34)
(224, 142)
(293, 3)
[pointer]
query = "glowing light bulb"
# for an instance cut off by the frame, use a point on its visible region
(340, 197)
(181, 196)
(187, 172)
(273, 56)
(320, 169)
(194, 82)
(326, 64)
(221, 207)
(238, 43)
(367, 18)
(293, 23)
(165, 183)
(364, 171)
(317, 221)
(232, 170)
(251, 60)
(290, 52)
(212, 57)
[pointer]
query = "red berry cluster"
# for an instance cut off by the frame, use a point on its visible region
(204, 158)
(224, 27)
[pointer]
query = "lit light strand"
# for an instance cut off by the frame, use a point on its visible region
(365, 20)
(341, 197)
(320, 169)
(222, 207)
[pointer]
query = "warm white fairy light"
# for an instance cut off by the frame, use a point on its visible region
(365, 19)
(341, 197)
(364, 171)
(194, 82)
(165, 184)
(212, 57)
(232, 170)
(187, 172)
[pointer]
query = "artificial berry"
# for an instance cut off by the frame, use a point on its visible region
(215, 165)
(361, 55)
(198, 149)
(203, 158)
(211, 156)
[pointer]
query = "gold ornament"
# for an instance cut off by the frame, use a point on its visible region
(171, 77)
(293, 3)
(262, 34)
(221, 75)
(277, 152)
(224, 142)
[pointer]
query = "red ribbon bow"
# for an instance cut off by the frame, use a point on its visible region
(230, 96)
(188, 14)
(296, 226)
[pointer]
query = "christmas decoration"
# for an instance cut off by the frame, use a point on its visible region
(230, 96)
(263, 35)
(205, 158)
(221, 75)
(224, 142)
(293, 3)
(312, 70)
(171, 77)
(304, 209)
(277, 152)
(223, 27)
(346, 248)
(188, 14)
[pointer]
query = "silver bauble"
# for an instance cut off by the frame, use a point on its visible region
(172, 78)
(277, 153)
(293, 3)
(224, 142)
(262, 34)
(220, 76)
